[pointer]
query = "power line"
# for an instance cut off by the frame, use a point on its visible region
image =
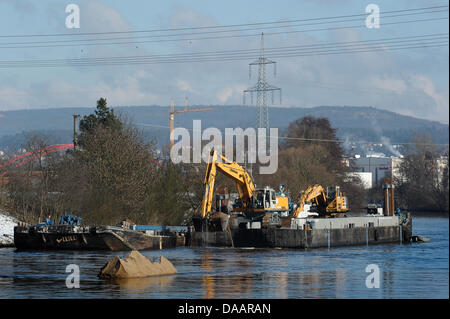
(8, 44)
(253, 51)
(269, 50)
(306, 139)
(439, 41)
(71, 44)
(91, 64)
(219, 26)
(314, 84)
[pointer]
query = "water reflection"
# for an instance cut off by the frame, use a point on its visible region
(281, 289)
(237, 286)
(227, 283)
(207, 280)
(318, 284)
(387, 280)
(272, 283)
(5, 282)
(136, 286)
(340, 282)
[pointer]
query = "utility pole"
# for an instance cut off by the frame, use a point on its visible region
(171, 122)
(262, 88)
(75, 131)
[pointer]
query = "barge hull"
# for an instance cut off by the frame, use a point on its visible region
(88, 238)
(273, 237)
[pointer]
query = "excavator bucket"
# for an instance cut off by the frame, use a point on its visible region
(218, 222)
(214, 222)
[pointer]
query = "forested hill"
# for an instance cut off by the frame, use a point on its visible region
(353, 123)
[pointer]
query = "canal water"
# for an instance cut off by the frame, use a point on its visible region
(417, 270)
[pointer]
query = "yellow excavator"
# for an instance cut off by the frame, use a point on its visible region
(327, 203)
(254, 204)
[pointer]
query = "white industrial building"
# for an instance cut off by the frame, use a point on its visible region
(374, 169)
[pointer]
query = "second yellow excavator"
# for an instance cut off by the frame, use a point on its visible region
(322, 203)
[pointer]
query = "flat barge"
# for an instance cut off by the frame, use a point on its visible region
(306, 232)
(112, 238)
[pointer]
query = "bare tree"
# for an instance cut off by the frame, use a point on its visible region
(32, 180)
(423, 186)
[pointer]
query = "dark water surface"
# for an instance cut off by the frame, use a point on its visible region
(418, 270)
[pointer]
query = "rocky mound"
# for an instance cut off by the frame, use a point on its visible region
(136, 265)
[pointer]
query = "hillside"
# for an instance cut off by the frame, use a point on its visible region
(353, 123)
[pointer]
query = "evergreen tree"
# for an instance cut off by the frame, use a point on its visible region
(103, 116)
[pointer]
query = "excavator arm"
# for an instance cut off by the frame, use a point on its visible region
(233, 170)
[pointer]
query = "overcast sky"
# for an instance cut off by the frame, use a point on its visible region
(410, 81)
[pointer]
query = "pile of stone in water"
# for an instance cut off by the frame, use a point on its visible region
(136, 265)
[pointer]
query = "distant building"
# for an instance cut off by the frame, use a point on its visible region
(379, 167)
(442, 163)
(396, 162)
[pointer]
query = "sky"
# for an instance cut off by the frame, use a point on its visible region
(411, 80)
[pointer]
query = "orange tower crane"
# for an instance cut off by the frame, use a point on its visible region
(172, 113)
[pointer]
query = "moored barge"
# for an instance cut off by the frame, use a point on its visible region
(112, 238)
(306, 232)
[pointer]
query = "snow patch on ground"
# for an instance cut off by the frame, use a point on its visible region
(7, 224)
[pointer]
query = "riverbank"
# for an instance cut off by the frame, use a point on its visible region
(429, 214)
(7, 224)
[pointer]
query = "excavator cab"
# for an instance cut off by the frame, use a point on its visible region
(259, 199)
(332, 191)
(268, 200)
(337, 202)
(265, 198)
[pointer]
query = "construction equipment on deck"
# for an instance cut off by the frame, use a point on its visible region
(322, 203)
(263, 205)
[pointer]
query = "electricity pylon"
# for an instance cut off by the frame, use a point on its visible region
(262, 88)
